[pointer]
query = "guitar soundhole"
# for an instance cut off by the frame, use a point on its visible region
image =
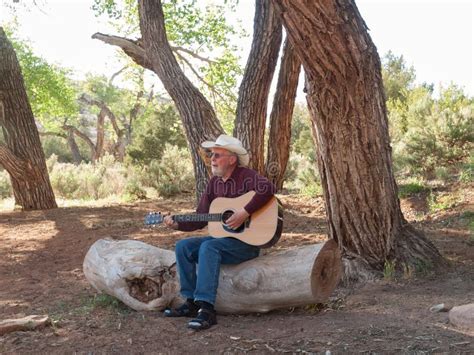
(225, 216)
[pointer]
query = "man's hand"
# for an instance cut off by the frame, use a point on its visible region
(237, 218)
(170, 223)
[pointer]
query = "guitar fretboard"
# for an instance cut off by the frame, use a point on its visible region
(199, 217)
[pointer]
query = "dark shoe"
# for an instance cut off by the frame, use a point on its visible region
(187, 309)
(205, 319)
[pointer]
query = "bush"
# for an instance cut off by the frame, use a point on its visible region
(87, 181)
(436, 141)
(133, 190)
(152, 135)
(466, 174)
(64, 179)
(57, 146)
(302, 175)
(5, 185)
(442, 201)
(172, 174)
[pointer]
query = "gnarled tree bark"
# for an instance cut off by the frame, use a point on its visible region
(278, 151)
(255, 86)
(347, 105)
(22, 156)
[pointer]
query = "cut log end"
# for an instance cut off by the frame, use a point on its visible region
(326, 272)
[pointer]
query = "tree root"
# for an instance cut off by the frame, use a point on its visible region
(412, 253)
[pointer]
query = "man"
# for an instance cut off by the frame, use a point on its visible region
(198, 259)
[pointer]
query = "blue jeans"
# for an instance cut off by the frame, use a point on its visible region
(208, 253)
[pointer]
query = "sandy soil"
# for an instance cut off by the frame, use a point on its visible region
(41, 256)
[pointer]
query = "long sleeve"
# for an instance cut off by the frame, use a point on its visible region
(203, 207)
(264, 191)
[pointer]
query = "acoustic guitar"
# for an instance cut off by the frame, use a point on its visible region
(263, 228)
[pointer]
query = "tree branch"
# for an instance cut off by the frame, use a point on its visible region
(105, 110)
(52, 134)
(114, 75)
(86, 99)
(178, 49)
(132, 48)
(202, 79)
(80, 135)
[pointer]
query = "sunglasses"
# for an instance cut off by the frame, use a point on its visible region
(211, 155)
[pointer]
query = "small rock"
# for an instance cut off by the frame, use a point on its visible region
(439, 308)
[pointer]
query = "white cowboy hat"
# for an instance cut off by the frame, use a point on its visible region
(232, 145)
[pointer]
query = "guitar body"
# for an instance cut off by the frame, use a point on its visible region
(263, 228)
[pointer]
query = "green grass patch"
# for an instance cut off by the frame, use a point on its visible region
(411, 188)
(104, 301)
(441, 202)
(87, 305)
(389, 270)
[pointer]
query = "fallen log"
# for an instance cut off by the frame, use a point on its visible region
(144, 277)
(21, 324)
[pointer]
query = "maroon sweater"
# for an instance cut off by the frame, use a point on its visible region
(240, 182)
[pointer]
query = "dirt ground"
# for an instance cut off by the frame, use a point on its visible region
(41, 255)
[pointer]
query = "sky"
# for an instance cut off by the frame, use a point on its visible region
(434, 36)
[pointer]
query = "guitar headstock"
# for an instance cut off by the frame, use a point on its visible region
(153, 218)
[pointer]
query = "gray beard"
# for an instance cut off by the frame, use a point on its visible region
(216, 172)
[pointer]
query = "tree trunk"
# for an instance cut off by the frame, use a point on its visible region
(84, 137)
(198, 116)
(71, 141)
(281, 116)
(154, 53)
(144, 277)
(118, 149)
(347, 105)
(23, 155)
(99, 144)
(255, 86)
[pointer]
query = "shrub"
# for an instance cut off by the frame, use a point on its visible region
(437, 141)
(170, 175)
(441, 201)
(302, 175)
(133, 190)
(57, 146)
(64, 179)
(87, 181)
(5, 185)
(467, 170)
(153, 133)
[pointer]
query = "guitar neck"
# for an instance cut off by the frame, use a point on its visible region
(198, 217)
